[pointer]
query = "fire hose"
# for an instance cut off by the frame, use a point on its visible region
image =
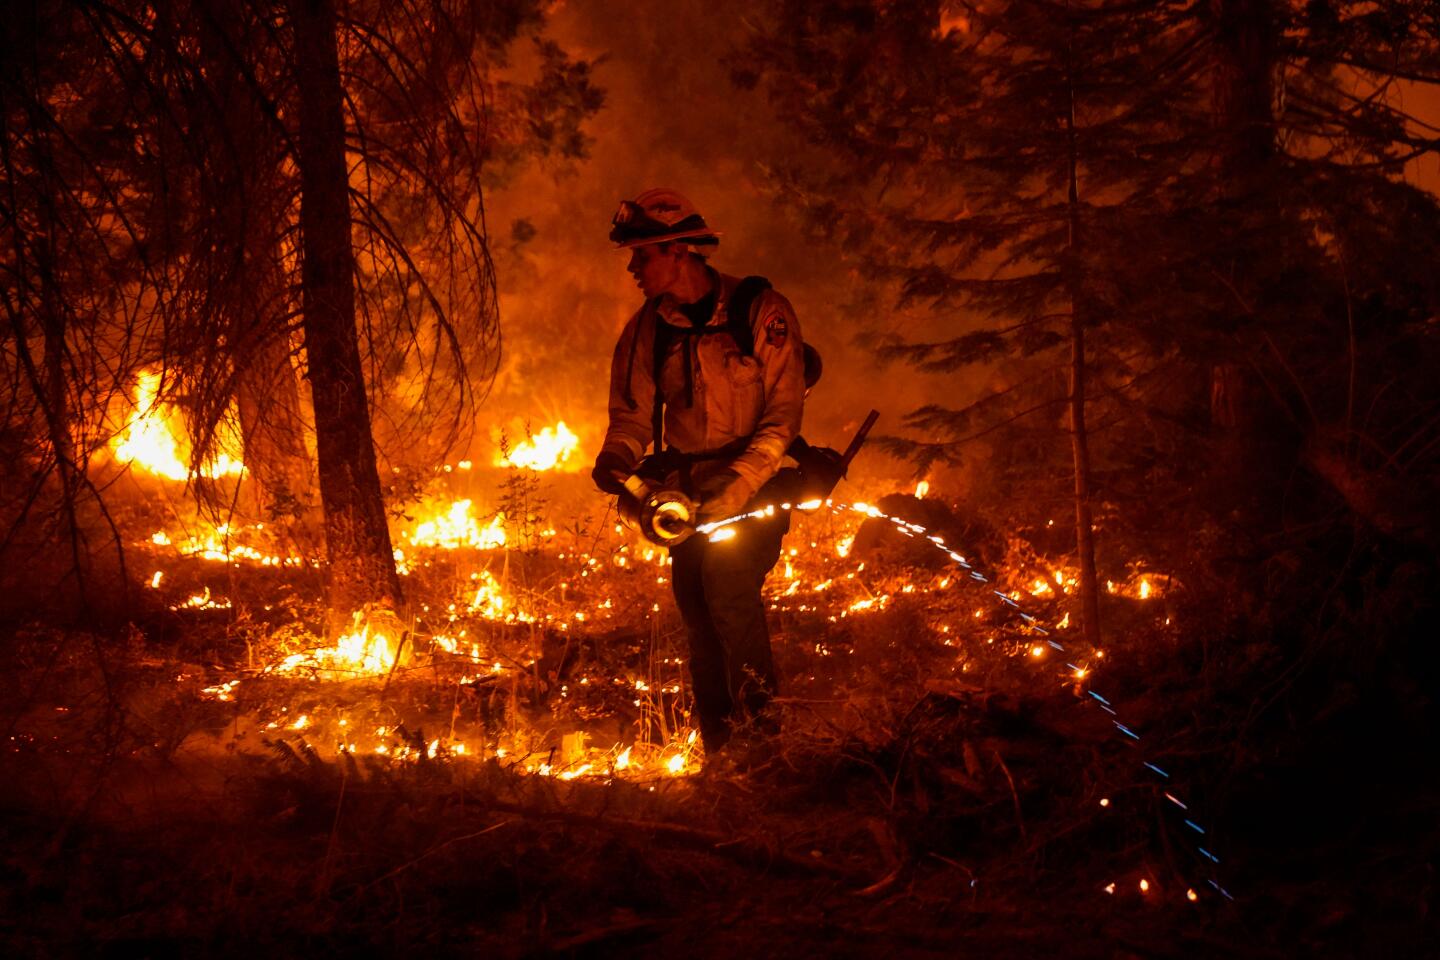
(667, 516)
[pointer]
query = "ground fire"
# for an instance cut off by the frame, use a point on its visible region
(774, 478)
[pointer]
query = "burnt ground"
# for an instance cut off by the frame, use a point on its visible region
(932, 794)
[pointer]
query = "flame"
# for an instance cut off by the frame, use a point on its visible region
(219, 546)
(1144, 589)
(489, 602)
(922, 488)
(843, 545)
(546, 450)
(455, 527)
(151, 440)
(359, 651)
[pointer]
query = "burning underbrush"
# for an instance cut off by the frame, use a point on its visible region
(557, 652)
(943, 729)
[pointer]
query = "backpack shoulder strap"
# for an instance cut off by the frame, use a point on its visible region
(664, 334)
(737, 312)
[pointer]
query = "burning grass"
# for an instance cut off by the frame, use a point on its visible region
(513, 765)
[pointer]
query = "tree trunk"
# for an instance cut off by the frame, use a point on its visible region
(357, 540)
(247, 202)
(1243, 89)
(1079, 439)
(267, 400)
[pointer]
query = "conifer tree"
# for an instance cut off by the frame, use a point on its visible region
(1000, 156)
(203, 144)
(1164, 192)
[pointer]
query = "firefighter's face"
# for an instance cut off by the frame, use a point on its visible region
(656, 267)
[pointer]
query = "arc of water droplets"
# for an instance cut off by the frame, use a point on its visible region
(915, 530)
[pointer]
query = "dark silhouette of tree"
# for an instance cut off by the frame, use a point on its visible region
(1146, 197)
(997, 157)
(206, 163)
(357, 539)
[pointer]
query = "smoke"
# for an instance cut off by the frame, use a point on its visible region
(672, 118)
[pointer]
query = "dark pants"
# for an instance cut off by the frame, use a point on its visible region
(717, 588)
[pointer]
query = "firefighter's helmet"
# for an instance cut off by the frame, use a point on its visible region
(657, 216)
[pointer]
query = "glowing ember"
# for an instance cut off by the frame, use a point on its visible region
(843, 545)
(921, 489)
(220, 544)
(546, 450)
(223, 692)
(203, 601)
(151, 440)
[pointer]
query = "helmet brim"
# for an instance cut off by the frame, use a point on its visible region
(692, 234)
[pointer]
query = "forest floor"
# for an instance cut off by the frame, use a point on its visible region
(523, 781)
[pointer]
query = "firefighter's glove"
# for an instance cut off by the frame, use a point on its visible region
(722, 497)
(610, 473)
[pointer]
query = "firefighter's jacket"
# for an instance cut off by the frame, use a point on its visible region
(754, 402)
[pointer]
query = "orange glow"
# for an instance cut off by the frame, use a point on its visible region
(361, 651)
(152, 440)
(549, 449)
(454, 527)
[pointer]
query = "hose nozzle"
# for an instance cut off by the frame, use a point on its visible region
(664, 517)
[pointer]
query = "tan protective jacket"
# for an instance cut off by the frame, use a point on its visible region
(761, 396)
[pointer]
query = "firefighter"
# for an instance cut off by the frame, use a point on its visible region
(716, 394)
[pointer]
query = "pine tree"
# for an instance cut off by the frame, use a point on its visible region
(1001, 159)
(1204, 222)
(201, 142)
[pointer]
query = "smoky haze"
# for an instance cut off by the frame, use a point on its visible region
(672, 118)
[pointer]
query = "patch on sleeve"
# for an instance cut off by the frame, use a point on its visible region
(775, 330)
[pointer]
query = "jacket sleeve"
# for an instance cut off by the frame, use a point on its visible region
(631, 382)
(778, 348)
